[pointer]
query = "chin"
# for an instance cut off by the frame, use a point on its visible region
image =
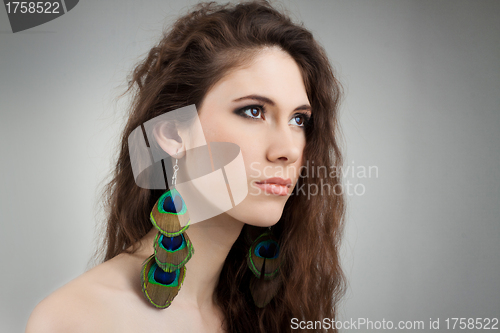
(260, 214)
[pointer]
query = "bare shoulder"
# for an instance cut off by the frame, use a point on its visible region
(96, 301)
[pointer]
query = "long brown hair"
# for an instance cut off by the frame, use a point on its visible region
(198, 51)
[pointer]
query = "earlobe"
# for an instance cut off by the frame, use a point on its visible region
(167, 137)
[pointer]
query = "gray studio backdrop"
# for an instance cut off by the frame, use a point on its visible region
(422, 84)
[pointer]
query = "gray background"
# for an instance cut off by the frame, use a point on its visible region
(422, 83)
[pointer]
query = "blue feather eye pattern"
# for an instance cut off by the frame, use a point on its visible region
(263, 256)
(160, 287)
(172, 203)
(268, 249)
(264, 262)
(164, 271)
(172, 243)
(165, 278)
(172, 252)
(169, 214)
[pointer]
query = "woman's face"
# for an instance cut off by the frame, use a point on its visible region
(263, 108)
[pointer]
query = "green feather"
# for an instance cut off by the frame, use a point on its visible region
(263, 256)
(158, 294)
(169, 260)
(169, 214)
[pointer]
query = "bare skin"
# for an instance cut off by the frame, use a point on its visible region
(108, 298)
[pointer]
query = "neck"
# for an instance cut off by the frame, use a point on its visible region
(212, 239)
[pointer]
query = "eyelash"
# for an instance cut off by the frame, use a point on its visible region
(306, 118)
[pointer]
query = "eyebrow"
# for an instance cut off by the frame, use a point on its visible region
(269, 101)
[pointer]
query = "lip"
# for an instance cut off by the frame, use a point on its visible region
(275, 185)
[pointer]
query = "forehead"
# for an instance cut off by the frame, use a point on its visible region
(272, 73)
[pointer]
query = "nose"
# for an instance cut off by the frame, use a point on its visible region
(283, 145)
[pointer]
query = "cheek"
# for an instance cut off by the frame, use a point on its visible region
(301, 160)
(218, 128)
(209, 127)
(222, 130)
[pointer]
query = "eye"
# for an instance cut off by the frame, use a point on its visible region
(300, 119)
(252, 111)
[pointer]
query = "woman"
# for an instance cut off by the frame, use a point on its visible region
(263, 83)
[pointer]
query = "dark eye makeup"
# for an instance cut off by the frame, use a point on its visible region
(256, 112)
(305, 119)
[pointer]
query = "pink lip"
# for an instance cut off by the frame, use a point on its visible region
(275, 185)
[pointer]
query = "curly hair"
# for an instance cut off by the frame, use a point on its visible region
(195, 53)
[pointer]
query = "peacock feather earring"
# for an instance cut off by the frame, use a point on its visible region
(163, 272)
(264, 262)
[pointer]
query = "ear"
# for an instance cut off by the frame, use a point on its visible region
(168, 138)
